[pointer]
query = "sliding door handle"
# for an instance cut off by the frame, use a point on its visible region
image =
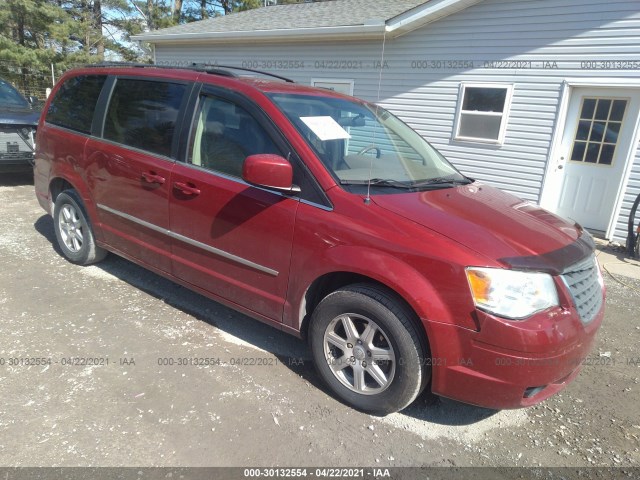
(152, 177)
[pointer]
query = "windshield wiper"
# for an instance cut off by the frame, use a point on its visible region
(379, 182)
(442, 181)
(439, 182)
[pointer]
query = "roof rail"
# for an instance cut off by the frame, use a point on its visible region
(261, 72)
(195, 67)
(222, 70)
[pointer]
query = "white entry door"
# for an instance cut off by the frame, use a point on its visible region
(595, 148)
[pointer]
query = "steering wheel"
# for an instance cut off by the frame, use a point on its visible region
(371, 147)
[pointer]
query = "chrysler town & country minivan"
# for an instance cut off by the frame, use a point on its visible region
(328, 218)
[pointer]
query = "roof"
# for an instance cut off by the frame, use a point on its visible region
(308, 21)
(227, 76)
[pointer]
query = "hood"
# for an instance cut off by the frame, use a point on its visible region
(16, 116)
(495, 224)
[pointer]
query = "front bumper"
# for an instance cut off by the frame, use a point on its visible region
(511, 364)
(15, 152)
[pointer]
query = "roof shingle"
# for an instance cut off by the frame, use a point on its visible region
(336, 13)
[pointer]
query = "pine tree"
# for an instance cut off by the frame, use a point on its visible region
(33, 31)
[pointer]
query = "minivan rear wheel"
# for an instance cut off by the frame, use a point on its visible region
(366, 348)
(73, 230)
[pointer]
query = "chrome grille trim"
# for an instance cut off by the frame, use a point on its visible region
(583, 281)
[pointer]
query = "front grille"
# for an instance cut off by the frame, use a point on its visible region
(584, 283)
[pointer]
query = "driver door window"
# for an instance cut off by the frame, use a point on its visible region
(224, 135)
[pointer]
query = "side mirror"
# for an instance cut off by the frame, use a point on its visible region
(32, 100)
(269, 171)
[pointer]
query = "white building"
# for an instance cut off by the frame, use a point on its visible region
(538, 97)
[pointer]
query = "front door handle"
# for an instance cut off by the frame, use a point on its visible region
(186, 188)
(152, 177)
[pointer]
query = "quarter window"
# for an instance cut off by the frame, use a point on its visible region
(75, 102)
(143, 113)
(224, 135)
(483, 111)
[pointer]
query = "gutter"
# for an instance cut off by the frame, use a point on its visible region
(375, 29)
(428, 13)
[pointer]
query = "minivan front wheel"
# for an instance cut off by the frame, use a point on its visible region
(73, 230)
(366, 348)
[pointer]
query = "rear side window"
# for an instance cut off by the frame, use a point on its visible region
(75, 102)
(143, 113)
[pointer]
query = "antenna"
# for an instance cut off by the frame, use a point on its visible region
(367, 199)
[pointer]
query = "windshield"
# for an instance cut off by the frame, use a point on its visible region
(9, 96)
(361, 143)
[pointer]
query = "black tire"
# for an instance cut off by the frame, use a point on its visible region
(73, 230)
(378, 387)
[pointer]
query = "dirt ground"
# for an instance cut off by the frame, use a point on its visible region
(133, 407)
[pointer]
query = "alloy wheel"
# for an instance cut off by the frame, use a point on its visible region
(359, 354)
(71, 228)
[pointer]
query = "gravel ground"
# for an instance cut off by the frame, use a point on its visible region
(137, 411)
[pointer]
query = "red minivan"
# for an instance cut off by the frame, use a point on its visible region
(329, 218)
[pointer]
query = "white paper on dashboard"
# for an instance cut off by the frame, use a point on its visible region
(326, 128)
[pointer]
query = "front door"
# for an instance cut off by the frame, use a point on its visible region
(595, 149)
(230, 238)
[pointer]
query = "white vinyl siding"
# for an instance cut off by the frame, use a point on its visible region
(533, 45)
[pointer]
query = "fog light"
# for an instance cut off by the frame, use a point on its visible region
(533, 391)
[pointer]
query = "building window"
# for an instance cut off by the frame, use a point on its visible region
(483, 110)
(337, 85)
(598, 129)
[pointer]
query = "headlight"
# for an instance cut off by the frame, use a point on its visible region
(511, 294)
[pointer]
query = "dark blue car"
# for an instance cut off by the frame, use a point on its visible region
(18, 122)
